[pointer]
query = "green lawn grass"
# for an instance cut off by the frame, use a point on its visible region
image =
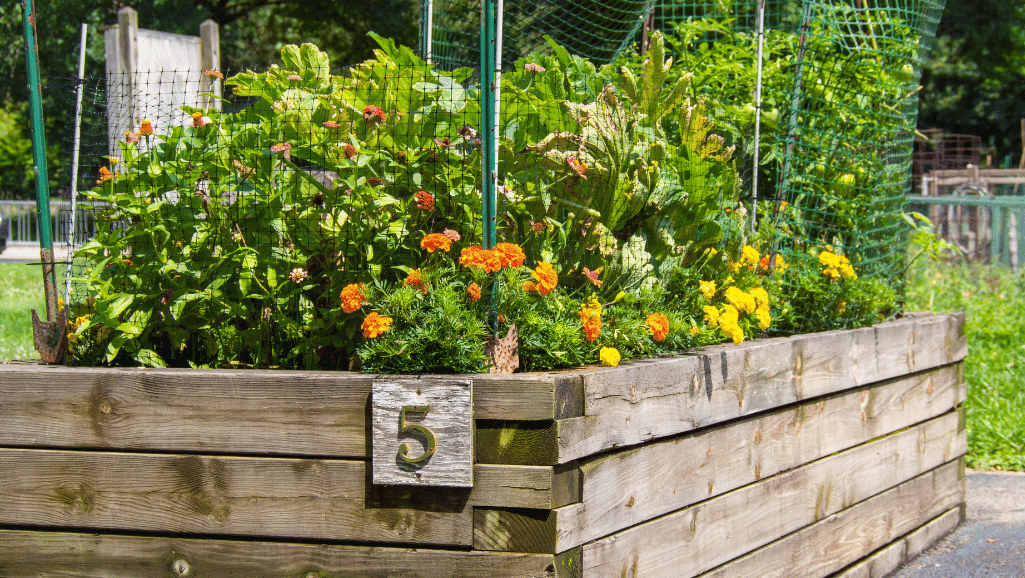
(993, 298)
(21, 290)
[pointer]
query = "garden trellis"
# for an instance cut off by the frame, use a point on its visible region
(618, 165)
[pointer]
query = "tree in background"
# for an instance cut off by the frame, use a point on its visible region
(974, 79)
(252, 34)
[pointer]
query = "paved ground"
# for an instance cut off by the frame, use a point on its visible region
(990, 544)
(21, 254)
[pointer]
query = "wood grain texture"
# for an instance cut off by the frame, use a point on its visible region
(29, 554)
(649, 399)
(884, 561)
(223, 411)
(273, 497)
(628, 487)
(854, 533)
(701, 537)
(447, 419)
(514, 530)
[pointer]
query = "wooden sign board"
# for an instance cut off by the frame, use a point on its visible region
(422, 432)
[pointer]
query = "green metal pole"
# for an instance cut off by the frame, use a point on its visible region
(39, 159)
(489, 119)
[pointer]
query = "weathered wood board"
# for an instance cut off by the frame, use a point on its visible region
(310, 499)
(700, 537)
(632, 486)
(231, 412)
(887, 559)
(651, 399)
(854, 533)
(30, 554)
(438, 415)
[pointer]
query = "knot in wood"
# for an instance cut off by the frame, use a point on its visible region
(181, 567)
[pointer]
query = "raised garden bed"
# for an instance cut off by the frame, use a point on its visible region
(813, 455)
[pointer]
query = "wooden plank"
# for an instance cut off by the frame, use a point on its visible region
(32, 554)
(223, 411)
(854, 533)
(633, 486)
(434, 416)
(274, 497)
(514, 530)
(701, 537)
(887, 559)
(512, 442)
(650, 399)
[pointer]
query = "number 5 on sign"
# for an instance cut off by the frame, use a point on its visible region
(431, 443)
(422, 432)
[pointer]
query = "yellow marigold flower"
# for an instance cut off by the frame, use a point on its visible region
(741, 300)
(764, 319)
(658, 324)
(510, 254)
(734, 267)
(352, 297)
(609, 356)
(781, 265)
(761, 296)
(750, 257)
(711, 316)
(473, 291)
(707, 288)
(546, 277)
(694, 330)
(375, 325)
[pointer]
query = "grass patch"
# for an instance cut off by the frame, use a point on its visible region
(21, 290)
(993, 298)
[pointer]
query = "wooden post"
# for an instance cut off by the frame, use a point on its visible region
(128, 57)
(210, 56)
(649, 26)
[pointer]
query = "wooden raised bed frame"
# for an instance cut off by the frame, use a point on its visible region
(827, 454)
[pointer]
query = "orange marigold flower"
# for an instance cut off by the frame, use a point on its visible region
(529, 286)
(473, 291)
(658, 324)
(373, 113)
(546, 277)
(477, 257)
(764, 263)
(577, 166)
(146, 128)
(424, 200)
(592, 276)
(105, 175)
(352, 297)
(414, 281)
(375, 325)
(510, 254)
(434, 241)
(591, 318)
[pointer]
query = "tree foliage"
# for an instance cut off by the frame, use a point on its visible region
(974, 79)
